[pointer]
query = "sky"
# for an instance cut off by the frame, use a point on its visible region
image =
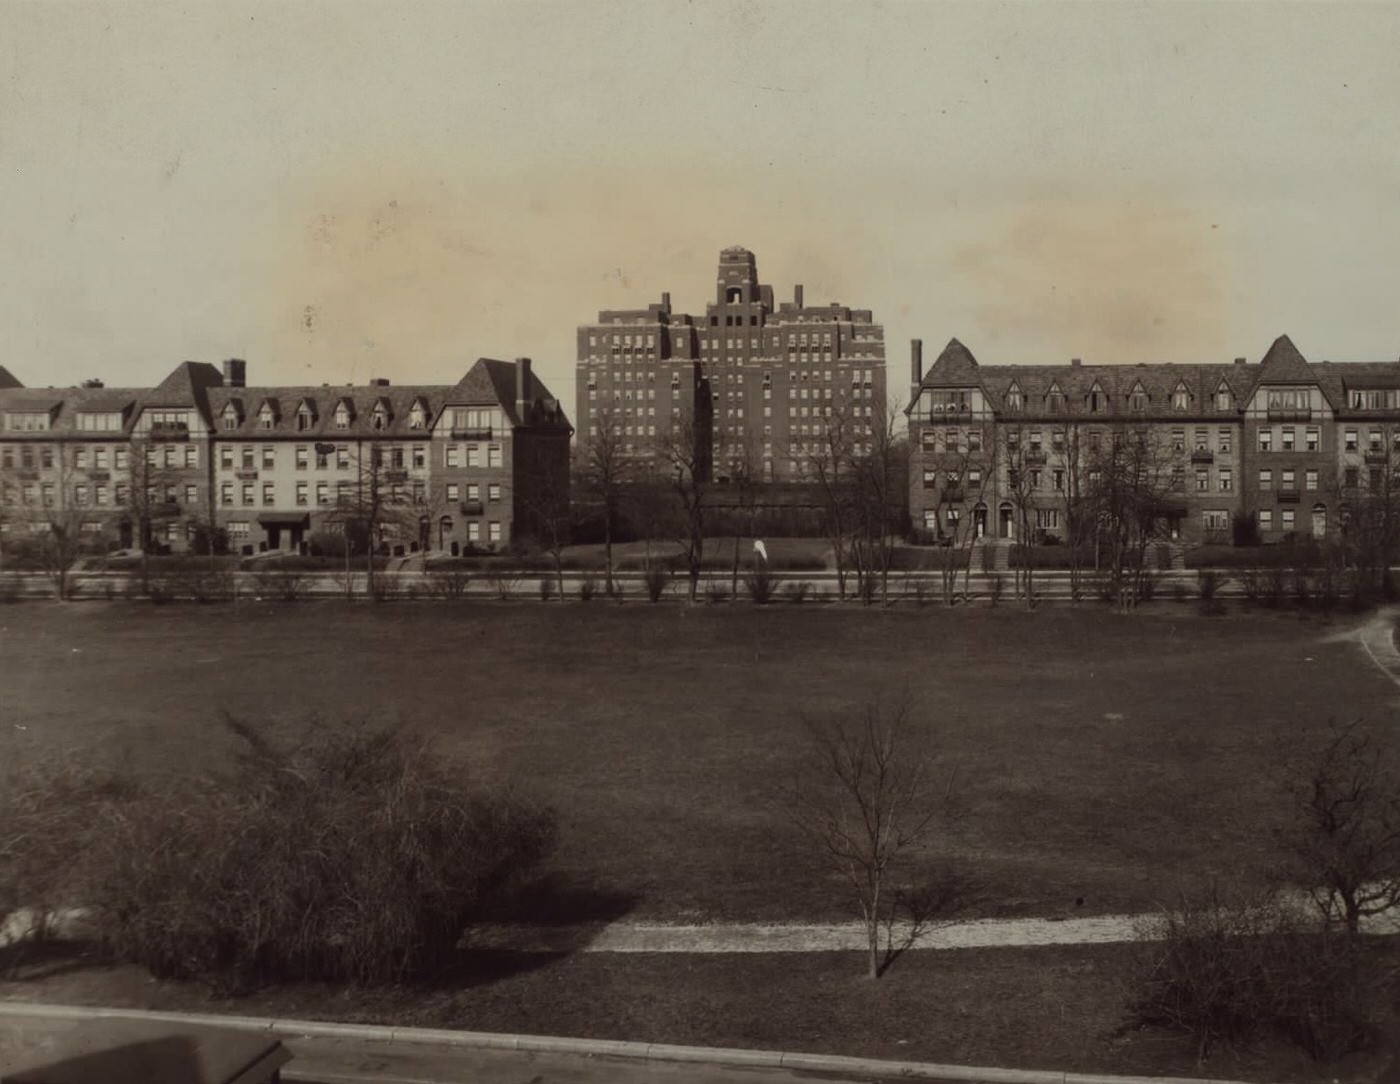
(344, 190)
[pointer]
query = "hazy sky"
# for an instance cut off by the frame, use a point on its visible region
(342, 190)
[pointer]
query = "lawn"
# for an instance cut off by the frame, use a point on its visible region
(1100, 757)
(1031, 1008)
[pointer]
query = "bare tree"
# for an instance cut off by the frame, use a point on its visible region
(866, 801)
(550, 512)
(381, 501)
(150, 497)
(1133, 485)
(56, 525)
(744, 470)
(880, 472)
(684, 460)
(1343, 848)
(604, 472)
(1078, 519)
(828, 461)
(947, 476)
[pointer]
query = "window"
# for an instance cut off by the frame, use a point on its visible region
(1310, 479)
(473, 531)
(302, 498)
(100, 422)
(974, 440)
(474, 451)
(1181, 398)
(100, 493)
(1311, 438)
(494, 531)
(1286, 441)
(1222, 398)
(303, 418)
(1351, 440)
(1178, 440)
(1287, 479)
(1266, 440)
(268, 494)
(269, 457)
(342, 416)
(342, 457)
(1286, 519)
(1055, 400)
(1227, 480)
(473, 491)
(226, 493)
(1047, 519)
(247, 494)
(1013, 398)
(1215, 519)
(1057, 440)
(1350, 477)
(1374, 440)
(453, 492)
(80, 495)
(417, 417)
(1137, 400)
(449, 456)
(420, 457)
(1057, 479)
(80, 456)
(1266, 519)
(493, 491)
(266, 417)
(1202, 480)
(323, 493)
(191, 495)
(226, 458)
(1266, 479)
(493, 455)
(974, 479)
(1097, 400)
(380, 418)
(247, 456)
(28, 421)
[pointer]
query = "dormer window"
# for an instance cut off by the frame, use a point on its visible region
(1055, 400)
(266, 416)
(379, 419)
(229, 418)
(1097, 400)
(1181, 398)
(1223, 399)
(1013, 397)
(417, 417)
(303, 419)
(1137, 400)
(342, 416)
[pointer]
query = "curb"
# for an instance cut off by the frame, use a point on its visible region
(16, 1011)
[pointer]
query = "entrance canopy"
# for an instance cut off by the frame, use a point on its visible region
(285, 519)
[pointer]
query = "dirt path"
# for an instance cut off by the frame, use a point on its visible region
(1377, 637)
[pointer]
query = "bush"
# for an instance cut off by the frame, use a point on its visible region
(1222, 967)
(281, 586)
(546, 589)
(587, 588)
(715, 591)
(449, 583)
(761, 585)
(656, 579)
(796, 591)
(359, 856)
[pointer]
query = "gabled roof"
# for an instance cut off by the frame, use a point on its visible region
(1283, 364)
(271, 404)
(187, 386)
(8, 380)
(492, 382)
(955, 367)
(318, 406)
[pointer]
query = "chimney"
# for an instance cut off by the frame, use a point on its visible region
(916, 361)
(797, 295)
(666, 300)
(1076, 362)
(235, 373)
(379, 382)
(522, 386)
(1239, 361)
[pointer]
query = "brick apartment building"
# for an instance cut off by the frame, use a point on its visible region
(433, 467)
(758, 378)
(1290, 444)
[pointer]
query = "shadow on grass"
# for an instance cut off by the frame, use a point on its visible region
(34, 961)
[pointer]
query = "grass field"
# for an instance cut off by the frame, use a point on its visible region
(1040, 1008)
(1104, 757)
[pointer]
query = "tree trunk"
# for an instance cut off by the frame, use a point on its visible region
(607, 549)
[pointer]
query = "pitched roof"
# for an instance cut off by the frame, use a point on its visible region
(188, 385)
(955, 367)
(1283, 364)
(322, 402)
(493, 381)
(8, 379)
(69, 403)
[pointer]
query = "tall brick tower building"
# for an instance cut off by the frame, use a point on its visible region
(761, 379)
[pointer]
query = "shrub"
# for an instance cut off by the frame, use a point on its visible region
(504, 582)
(10, 588)
(359, 856)
(796, 591)
(715, 591)
(1222, 967)
(449, 583)
(587, 588)
(761, 585)
(546, 589)
(284, 586)
(867, 586)
(656, 579)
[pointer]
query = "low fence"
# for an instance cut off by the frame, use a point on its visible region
(806, 586)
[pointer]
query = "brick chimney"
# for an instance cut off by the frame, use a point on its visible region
(235, 373)
(1241, 361)
(916, 361)
(522, 387)
(1076, 362)
(666, 300)
(797, 295)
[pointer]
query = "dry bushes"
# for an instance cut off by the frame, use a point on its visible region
(357, 856)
